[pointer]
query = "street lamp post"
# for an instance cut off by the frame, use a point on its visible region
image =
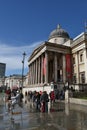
(24, 54)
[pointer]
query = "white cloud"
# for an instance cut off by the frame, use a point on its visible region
(13, 55)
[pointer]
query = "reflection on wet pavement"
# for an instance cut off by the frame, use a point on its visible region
(60, 116)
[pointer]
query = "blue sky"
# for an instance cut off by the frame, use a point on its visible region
(24, 24)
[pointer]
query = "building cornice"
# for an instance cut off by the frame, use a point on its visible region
(47, 46)
(79, 39)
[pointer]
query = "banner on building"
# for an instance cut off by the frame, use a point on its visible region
(44, 66)
(68, 66)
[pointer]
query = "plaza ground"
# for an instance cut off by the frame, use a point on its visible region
(60, 116)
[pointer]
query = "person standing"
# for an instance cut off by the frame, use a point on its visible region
(52, 96)
(37, 100)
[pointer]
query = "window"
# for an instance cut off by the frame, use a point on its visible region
(74, 79)
(81, 57)
(73, 60)
(82, 78)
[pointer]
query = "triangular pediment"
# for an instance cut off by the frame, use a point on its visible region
(48, 45)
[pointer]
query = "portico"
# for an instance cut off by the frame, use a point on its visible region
(48, 64)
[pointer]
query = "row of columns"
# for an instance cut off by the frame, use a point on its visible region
(36, 69)
(63, 67)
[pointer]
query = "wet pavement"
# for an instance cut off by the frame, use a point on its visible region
(60, 116)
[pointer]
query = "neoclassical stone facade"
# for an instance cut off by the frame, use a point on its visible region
(59, 60)
(79, 56)
(48, 64)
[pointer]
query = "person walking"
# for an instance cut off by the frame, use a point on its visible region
(44, 102)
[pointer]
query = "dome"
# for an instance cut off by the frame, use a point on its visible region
(59, 32)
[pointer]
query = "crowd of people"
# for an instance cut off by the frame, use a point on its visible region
(39, 99)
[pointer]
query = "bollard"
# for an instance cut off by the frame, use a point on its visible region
(67, 96)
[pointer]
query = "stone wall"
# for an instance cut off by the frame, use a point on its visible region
(44, 88)
(78, 101)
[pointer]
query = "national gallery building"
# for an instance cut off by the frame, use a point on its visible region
(59, 62)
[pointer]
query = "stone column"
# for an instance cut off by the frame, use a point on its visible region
(64, 68)
(55, 67)
(77, 67)
(85, 61)
(36, 73)
(46, 67)
(42, 69)
(38, 70)
(31, 74)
